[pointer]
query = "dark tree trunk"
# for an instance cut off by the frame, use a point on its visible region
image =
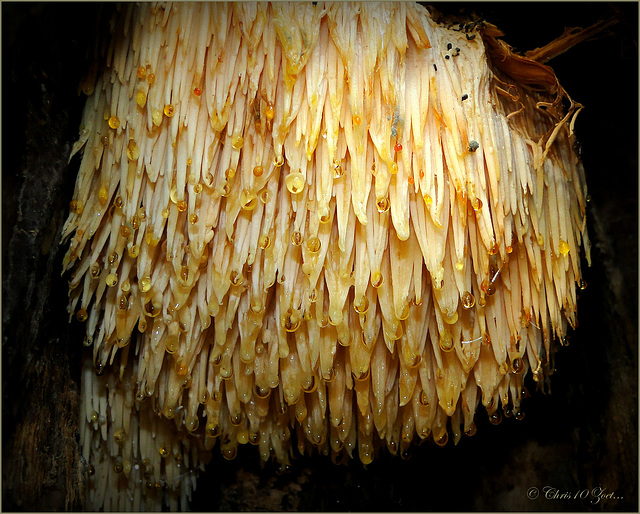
(582, 437)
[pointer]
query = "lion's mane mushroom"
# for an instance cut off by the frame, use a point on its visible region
(330, 226)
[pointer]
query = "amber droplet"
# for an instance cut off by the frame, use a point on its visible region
(123, 302)
(517, 366)
(291, 324)
(495, 418)
(468, 300)
(114, 122)
(111, 280)
(269, 111)
(582, 284)
(361, 306)
(82, 315)
(117, 467)
(264, 242)
(296, 238)
(421, 173)
(182, 206)
(118, 436)
(377, 279)
(410, 179)
(509, 249)
(237, 142)
(337, 169)
(163, 452)
(193, 218)
(314, 244)
(133, 251)
(248, 200)
(397, 147)
(295, 182)
(471, 431)
(382, 205)
(142, 72)
(446, 342)
(104, 140)
(563, 247)
(169, 110)
(197, 91)
(357, 120)
(424, 399)
(103, 194)
(151, 78)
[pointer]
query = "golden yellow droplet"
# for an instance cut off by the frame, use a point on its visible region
(264, 242)
(118, 436)
(296, 238)
(103, 194)
(294, 182)
(337, 169)
(163, 452)
(182, 206)
(169, 110)
(446, 342)
(133, 152)
(564, 247)
(427, 200)
(459, 265)
(361, 306)
(82, 315)
(141, 72)
(314, 244)
(145, 284)
(377, 279)
(114, 122)
(468, 300)
(394, 169)
(112, 279)
(269, 111)
(156, 117)
(237, 142)
(517, 365)
(278, 161)
(193, 218)
(257, 171)
(141, 99)
(382, 205)
(248, 200)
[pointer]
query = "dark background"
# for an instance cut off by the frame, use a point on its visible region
(582, 436)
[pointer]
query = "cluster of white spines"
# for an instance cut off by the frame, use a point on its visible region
(320, 218)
